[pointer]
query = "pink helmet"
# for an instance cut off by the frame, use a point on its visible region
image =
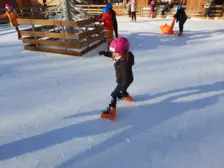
(9, 6)
(120, 45)
(153, 2)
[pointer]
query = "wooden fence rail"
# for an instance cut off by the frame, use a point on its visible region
(54, 36)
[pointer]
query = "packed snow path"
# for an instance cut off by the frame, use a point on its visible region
(50, 104)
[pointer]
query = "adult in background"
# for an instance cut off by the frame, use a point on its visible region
(132, 3)
(129, 10)
(114, 19)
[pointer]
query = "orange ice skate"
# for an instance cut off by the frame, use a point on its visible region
(110, 113)
(180, 34)
(128, 98)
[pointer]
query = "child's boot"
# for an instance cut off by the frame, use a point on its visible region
(19, 36)
(128, 98)
(110, 113)
(180, 34)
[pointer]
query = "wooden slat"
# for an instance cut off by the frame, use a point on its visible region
(85, 22)
(91, 47)
(40, 22)
(53, 50)
(99, 37)
(55, 43)
(46, 22)
(49, 34)
(61, 35)
(94, 31)
(37, 28)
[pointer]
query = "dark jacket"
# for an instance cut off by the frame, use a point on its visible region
(181, 15)
(167, 7)
(123, 69)
(114, 19)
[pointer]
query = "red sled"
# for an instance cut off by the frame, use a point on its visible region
(168, 29)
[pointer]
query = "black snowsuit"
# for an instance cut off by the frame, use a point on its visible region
(124, 77)
(166, 8)
(181, 17)
(114, 20)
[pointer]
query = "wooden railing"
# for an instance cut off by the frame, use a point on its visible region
(53, 36)
(35, 12)
(32, 13)
(97, 9)
(145, 11)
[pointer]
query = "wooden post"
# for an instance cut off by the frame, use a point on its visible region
(63, 30)
(20, 3)
(33, 28)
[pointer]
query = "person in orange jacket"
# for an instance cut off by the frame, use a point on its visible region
(108, 24)
(12, 15)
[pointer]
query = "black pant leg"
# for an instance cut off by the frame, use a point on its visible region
(17, 29)
(181, 26)
(134, 15)
(115, 95)
(116, 31)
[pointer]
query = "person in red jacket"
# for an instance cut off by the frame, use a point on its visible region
(108, 24)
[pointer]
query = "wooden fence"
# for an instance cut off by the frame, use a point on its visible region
(97, 9)
(32, 13)
(36, 12)
(52, 36)
(145, 11)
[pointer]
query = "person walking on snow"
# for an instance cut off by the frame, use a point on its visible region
(124, 60)
(180, 17)
(114, 19)
(152, 9)
(12, 15)
(128, 9)
(132, 3)
(108, 24)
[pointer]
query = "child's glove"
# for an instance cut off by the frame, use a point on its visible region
(102, 52)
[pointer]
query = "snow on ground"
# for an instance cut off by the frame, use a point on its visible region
(50, 104)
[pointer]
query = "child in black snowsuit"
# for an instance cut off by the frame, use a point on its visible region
(119, 51)
(166, 9)
(114, 19)
(180, 17)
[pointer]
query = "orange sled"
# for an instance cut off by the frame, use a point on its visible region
(168, 29)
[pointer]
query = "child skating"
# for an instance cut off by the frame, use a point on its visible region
(180, 17)
(124, 60)
(12, 15)
(108, 24)
(114, 19)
